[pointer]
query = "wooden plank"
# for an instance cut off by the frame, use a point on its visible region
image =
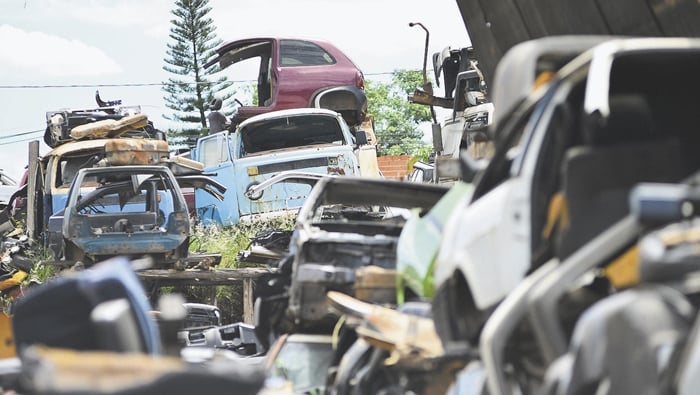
(202, 277)
(248, 300)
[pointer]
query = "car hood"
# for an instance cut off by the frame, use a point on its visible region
(496, 26)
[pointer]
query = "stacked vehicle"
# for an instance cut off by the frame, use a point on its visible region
(109, 187)
(311, 140)
(546, 246)
(465, 94)
(309, 115)
(582, 142)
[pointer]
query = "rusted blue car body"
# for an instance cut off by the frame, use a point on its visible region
(125, 210)
(311, 140)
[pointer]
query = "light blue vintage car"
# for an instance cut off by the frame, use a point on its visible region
(309, 139)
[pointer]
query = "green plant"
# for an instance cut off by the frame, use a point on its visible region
(228, 241)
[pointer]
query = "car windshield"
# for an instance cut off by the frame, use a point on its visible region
(129, 193)
(290, 132)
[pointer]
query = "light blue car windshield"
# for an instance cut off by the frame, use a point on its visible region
(290, 132)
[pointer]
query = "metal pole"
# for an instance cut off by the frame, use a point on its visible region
(425, 55)
(31, 188)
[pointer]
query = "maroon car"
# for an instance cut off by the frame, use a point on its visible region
(296, 73)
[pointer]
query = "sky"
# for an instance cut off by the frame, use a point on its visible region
(54, 54)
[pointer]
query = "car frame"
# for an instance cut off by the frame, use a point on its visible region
(128, 210)
(346, 233)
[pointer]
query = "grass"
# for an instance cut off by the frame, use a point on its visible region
(227, 241)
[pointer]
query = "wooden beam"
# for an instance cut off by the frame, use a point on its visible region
(248, 300)
(203, 277)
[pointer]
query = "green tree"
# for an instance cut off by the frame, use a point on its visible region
(192, 87)
(396, 120)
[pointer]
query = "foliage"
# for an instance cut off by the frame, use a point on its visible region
(228, 241)
(43, 272)
(418, 149)
(192, 87)
(397, 121)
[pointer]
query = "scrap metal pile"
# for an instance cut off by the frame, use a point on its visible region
(563, 262)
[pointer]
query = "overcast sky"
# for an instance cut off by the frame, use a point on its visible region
(51, 43)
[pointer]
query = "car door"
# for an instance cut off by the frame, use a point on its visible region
(214, 152)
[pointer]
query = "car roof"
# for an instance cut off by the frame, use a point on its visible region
(366, 190)
(127, 168)
(272, 38)
(251, 41)
(520, 66)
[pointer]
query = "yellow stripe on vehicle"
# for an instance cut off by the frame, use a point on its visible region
(623, 272)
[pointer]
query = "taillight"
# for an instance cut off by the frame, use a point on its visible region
(360, 80)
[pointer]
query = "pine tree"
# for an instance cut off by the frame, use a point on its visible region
(191, 89)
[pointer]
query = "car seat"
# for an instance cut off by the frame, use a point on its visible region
(618, 152)
(624, 344)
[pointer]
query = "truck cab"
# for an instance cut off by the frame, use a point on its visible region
(307, 139)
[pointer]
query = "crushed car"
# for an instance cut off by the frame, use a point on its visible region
(345, 239)
(78, 139)
(124, 210)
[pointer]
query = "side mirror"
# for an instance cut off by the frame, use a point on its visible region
(361, 138)
(659, 204)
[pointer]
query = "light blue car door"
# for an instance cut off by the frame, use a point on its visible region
(215, 153)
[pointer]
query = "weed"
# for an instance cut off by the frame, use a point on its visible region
(228, 241)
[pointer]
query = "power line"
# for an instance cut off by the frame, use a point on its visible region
(18, 141)
(20, 134)
(147, 83)
(110, 85)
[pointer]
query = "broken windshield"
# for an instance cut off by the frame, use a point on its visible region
(290, 132)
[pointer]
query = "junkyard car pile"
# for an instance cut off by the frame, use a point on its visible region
(565, 262)
(549, 271)
(109, 187)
